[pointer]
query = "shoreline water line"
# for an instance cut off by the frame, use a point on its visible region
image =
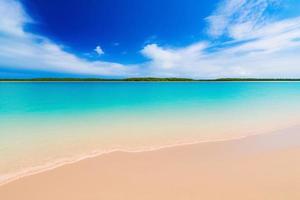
(8, 178)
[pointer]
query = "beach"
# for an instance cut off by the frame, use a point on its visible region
(150, 140)
(264, 166)
(149, 100)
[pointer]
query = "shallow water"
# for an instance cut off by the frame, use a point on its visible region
(44, 122)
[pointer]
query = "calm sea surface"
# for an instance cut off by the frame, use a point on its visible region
(45, 124)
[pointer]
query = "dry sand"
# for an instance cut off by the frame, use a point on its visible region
(265, 167)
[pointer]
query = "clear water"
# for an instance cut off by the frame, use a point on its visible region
(42, 123)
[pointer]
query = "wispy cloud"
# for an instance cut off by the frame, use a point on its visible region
(23, 50)
(257, 45)
(238, 18)
(12, 18)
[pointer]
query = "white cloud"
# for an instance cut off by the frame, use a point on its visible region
(99, 50)
(170, 58)
(259, 47)
(23, 50)
(269, 51)
(238, 18)
(12, 18)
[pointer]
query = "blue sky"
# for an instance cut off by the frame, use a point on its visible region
(135, 38)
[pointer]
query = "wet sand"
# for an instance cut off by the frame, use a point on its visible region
(257, 167)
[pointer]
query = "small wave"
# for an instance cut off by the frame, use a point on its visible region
(7, 178)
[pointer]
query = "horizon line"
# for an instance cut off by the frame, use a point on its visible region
(137, 79)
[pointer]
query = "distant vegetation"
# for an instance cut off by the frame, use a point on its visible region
(157, 79)
(257, 79)
(150, 79)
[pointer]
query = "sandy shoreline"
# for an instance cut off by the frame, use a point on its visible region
(256, 167)
(7, 178)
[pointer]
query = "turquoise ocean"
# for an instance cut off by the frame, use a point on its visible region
(47, 124)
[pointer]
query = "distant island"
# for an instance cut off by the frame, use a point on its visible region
(149, 79)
